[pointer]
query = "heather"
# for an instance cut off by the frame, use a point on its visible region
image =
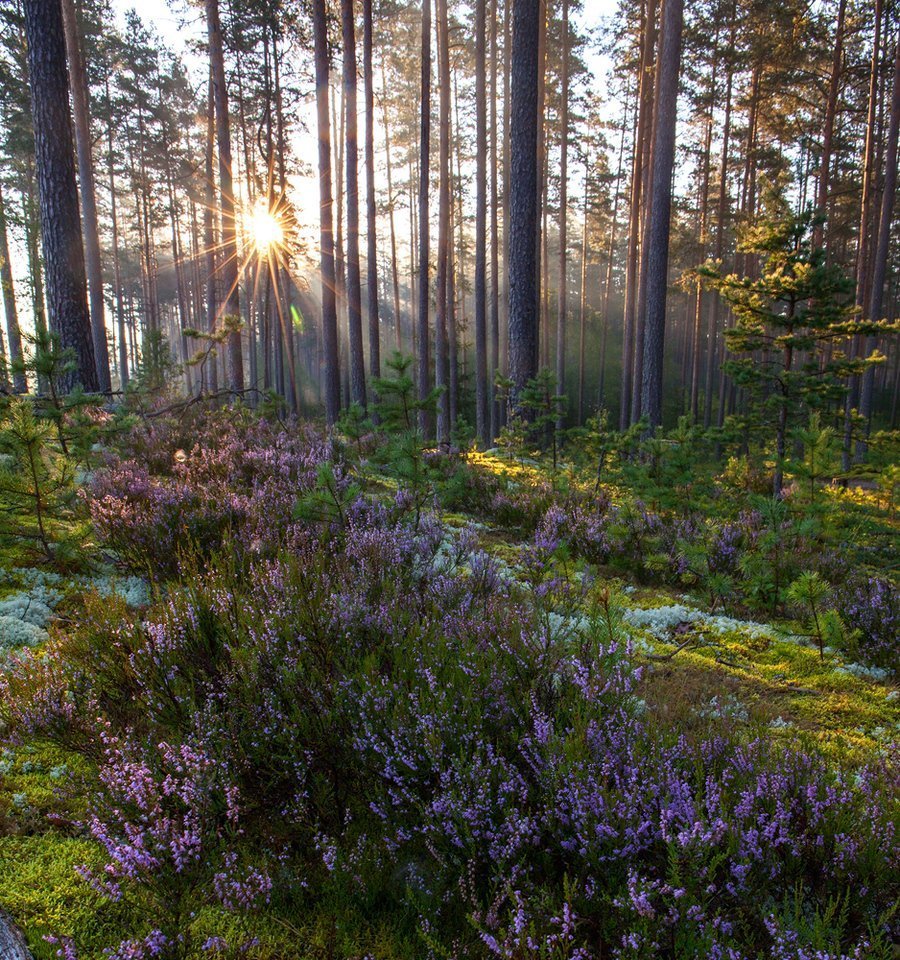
(411, 703)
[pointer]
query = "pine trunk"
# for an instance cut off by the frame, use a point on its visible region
(57, 191)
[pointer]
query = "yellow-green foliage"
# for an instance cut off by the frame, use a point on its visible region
(846, 718)
(319, 931)
(40, 888)
(40, 779)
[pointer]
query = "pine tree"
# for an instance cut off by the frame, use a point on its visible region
(788, 325)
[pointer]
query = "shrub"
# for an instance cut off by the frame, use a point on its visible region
(239, 481)
(374, 714)
(870, 606)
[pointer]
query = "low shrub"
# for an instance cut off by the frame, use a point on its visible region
(372, 714)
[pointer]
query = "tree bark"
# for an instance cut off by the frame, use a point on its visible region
(634, 217)
(12, 941)
(424, 172)
(703, 236)
(326, 219)
(494, 325)
(60, 222)
(712, 351)
(880, 258)
(13, 333)
(613, 234)
(834, 86)
(371, 222)
(90, 229)
(582, 287)
(562, 302)
(661, 209)
(482, 414)
(354, 291)
(229, 265)
(441, 368)
(209, 241)
(117, 273)
(541, 218)
(395, 271)
(523, 195)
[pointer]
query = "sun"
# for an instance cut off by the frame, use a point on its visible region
(266, 230)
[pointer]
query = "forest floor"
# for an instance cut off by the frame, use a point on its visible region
(703, 671)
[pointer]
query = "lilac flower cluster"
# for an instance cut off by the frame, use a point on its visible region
(376, 702)
(871, 606)
(238, 480)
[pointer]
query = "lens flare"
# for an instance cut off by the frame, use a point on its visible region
(266, 230)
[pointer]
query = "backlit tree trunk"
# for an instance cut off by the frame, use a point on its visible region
(229, 264)
(326, 218)
(90, 230)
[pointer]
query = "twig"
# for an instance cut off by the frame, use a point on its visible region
(662, 657)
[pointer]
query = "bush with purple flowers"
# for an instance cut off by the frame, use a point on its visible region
(336, 702)
(871, 607)
(238, 480)
(365, 711)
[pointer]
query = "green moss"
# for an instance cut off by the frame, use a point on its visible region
(37, 780)
(40, 888)
(307, 933)
(846, 718)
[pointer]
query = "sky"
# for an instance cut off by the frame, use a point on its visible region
(182, 27)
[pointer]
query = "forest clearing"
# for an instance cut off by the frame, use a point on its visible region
(501, 563)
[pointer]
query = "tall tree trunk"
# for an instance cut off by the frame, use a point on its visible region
(562, 303)
(209, 241)
(279, 264)
(395, 272)
(326, 220)
(340, 260)
(523, 195)
(507, 105)
(863, 236)
(117, 272)
(180, 290)
(834, 87)
(31, 219)
(90, 229)
(660, 209)
(457, 229)
(371, 234)
(482, 414)
(494, 325)
(703, 237)
(712, 351)
(57, 190)
(354, 292)
(582, 287)
(634, 219)
(14, 335)
(541, 219)
(424, 172)
(413, 266)
(637, 375)
(880, 258)
(229, 266)
(613, 235)
(443, 247)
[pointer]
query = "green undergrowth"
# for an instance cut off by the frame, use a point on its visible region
(757, 686)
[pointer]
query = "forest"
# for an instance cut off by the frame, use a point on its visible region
(449, 480)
